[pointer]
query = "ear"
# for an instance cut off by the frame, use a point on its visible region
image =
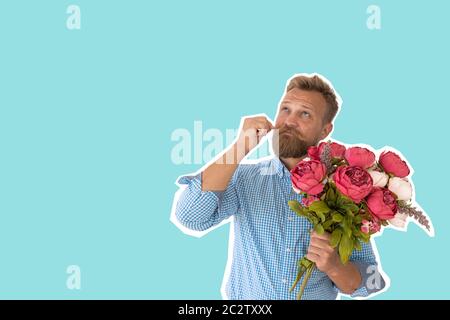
(327, 128)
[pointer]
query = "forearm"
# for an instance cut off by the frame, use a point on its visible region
(217, 176)
(346, 277)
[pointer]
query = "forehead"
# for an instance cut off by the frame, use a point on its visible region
(311, 99)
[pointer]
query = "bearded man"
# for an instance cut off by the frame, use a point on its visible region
(268, 238)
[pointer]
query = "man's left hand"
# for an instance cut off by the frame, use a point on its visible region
(321, 253)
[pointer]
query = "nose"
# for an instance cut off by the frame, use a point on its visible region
(291, 121)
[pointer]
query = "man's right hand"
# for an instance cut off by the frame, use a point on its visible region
(217, 175)
(252, 130)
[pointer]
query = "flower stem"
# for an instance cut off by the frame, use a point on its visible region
(309, 271)
(301, 271)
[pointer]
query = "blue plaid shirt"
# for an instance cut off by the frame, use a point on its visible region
(269, 237)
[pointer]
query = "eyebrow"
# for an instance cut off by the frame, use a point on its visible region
(303, 105)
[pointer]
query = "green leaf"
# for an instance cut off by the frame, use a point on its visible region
(313, 220)
(327, 224)
(356, 232)
(345, 248)
(297, 208)
(335, 237)
(319, 206)
(331, 195)
(348, 211)
(337, 217)
(352, 207)
(321, 216)
(347, 225)
(347, 230)
(295, 205)
(319, 229)
(365, 237)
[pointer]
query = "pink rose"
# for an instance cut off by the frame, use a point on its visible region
(382, 203)
(360, 157)
(393, 164)
(354, 182)
(337, 151)
(370, 226)
(314, 153)
(307, 176)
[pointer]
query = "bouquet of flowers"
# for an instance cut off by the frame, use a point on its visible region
(352, 194)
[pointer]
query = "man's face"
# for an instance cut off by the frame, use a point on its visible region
(300, 123)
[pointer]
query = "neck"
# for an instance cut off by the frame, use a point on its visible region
(290, 163)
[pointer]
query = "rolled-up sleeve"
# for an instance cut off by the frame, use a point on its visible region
(371, 279)
(200, 210)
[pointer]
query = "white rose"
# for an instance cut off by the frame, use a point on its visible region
(380, 179)
(399, 220)
(401, 187)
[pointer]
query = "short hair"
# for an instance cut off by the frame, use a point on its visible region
(316, 83)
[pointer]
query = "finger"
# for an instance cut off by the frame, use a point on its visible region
(320, 243)
(324, 236)
(312, 257)
(317, 237)
(323, 249)
(269, 124)
(264, 118)
(264, 124)
(315, 250)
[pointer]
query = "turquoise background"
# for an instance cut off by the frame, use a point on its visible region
(86, 118)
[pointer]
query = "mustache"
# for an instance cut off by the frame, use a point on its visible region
(292, 131)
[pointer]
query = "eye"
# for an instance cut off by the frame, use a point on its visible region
(306, 114)
(284, 108)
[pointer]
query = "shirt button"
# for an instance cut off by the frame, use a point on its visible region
(288, 249)
(284, 281)
(290, 218)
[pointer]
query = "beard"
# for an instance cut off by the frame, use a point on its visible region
(287, 144)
